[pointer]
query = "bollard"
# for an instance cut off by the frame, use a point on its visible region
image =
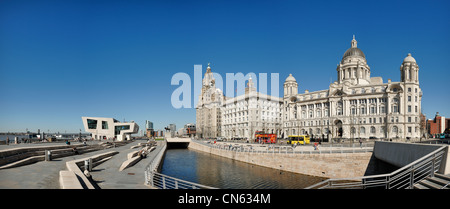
(88, 164)
(48, 155)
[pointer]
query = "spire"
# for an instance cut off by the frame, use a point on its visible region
(354, 42)
(208, 69)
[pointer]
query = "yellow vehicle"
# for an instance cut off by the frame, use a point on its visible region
(298, 139)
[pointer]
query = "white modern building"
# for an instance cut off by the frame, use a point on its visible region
(109, 128)
(356, 105)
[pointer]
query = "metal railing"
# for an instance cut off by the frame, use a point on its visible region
(302, 149)
(154, 164)
(403, 178)
(162, 181)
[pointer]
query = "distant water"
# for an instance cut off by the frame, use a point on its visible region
(11, 137)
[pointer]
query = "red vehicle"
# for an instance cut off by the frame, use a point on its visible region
(260, 136)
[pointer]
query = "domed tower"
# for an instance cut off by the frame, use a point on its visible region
(208, 78)
(290, 86)
(409, 70)
(353, 66)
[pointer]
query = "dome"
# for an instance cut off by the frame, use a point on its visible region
(290, 78)
(409, 58)
(354, 50)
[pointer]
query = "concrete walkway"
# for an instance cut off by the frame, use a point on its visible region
(45, 174)
(108, 176)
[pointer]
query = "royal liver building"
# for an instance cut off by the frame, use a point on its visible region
(356, 105)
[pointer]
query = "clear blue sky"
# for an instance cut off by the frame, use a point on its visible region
(60, 60)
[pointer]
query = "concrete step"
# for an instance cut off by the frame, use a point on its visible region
(420, 186)
(430, 184)
(441, 182)
(442, 176)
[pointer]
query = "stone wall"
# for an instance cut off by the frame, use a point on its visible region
(334, 165)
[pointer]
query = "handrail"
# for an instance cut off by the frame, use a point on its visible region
(406, 173)
(283, 149)
(163, 181)
(153, 165)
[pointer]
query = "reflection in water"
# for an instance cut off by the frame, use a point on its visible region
(224, 173)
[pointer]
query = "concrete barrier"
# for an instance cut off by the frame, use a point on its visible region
(130, 162)
(74, 167)
(69, 180)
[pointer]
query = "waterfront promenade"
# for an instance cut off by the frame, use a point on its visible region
(45, 174)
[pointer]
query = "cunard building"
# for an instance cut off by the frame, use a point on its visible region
(356, 105)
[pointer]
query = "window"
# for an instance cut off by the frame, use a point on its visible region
(92, 124)
(104, 124)
(372, 130)
(373, 110)
(409, 108)
(395, 109)
(119, 128)
(363, 110)
(382, 109)
(409, 98)
(416, 108)
(409, 89)
(409, 129)
(353, 111)
(394, 129)
(363, 130)
(409, 119)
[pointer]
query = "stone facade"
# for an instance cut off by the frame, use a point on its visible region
(356, 105)
(208, 110)
(243, 115)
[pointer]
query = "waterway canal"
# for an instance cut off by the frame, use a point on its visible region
(224, 173)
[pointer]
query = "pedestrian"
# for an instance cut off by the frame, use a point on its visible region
(360, 143)
(7, 140)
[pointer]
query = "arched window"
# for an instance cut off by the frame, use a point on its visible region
(372, 130)
(395, 129)
(353, 130)
(362, 130)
